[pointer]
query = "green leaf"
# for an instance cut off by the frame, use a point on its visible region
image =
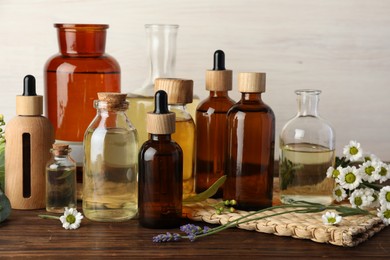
(207, 193)
(5, 210)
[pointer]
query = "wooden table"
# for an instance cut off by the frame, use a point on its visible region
(24, 234)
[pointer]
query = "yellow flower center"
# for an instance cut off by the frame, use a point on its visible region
(335, 173)
(386, 214)
(369, 170)
(70, 219)
(332, 220)
(338, 193)
(383, 171)
(350, 177)
(353, 150)
(358, 201)
(388, 196)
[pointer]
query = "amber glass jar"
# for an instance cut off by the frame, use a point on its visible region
(72, 79)
(250, 146)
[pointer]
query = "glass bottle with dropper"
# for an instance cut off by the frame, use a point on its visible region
(250, 146)
(211, 125)
(160, 161)
(179, 95)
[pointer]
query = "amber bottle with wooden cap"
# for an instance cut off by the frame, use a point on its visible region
(250, 146)
(211, 126)
(179, 94)
(160, 163)
(111, 160)
(29, 137)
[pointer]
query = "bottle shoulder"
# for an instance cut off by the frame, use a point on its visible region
(70, 64)
(161, 148)
(251, 107)
(219, 104)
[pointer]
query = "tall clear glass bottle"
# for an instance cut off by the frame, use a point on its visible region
(161, 52)
(160, 170)
(179, 95)
(111, 162)
(211, 126)
(60, 180)
(307, 150)
(73, 77)
(250, 146)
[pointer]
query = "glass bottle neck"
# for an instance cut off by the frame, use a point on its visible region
(217, 94)
(82, 39)
(156, 137)
(308, 102)
(250, 96)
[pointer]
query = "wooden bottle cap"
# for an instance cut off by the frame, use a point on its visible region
(219, 80)
(160, 124)
(180, 91)
(29, 105)
(251, 82)
(114, 100)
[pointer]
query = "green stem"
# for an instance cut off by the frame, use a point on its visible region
(48, 217)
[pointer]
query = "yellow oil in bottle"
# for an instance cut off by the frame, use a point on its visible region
(110, 187)
(185, 137)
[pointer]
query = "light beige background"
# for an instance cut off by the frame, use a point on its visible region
(341, 47)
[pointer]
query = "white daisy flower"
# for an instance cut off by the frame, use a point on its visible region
(339, 193)
(357, 198)
(384, 172)
(369, 171)
(384, 197)
(375, 203)
(352, 151)
(371, 157)
(349, 178)
(71, 218)
(333, 173)
(384, 214)
(331, 218)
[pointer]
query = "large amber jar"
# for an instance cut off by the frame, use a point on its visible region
(73, 78)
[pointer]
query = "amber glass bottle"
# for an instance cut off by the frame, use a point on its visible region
(72, 80)
(250, 146)
(160, 164)
(211, 125)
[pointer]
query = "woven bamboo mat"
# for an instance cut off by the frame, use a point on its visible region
(352, 230)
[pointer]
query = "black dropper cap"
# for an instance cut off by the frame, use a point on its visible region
(29, 86)
(161, 102)
(219, 60)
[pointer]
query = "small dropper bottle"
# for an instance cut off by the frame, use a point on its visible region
(160, 162)
(179, 94)
(29, 137)
(211, 126)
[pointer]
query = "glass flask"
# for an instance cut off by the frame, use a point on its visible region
(250, 146)
(307, 150)
(73, 77)
(60, 180)
(111, 162)
(211, 126)
(179, 95)
(160, 170)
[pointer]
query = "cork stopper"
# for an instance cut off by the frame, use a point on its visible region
(179, 91)
(113, 100)
(219, 79)
(161, 121)
(251, 82)
(60, 149)
(29, 104)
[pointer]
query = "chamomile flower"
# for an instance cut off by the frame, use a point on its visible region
(384, 172)
(359, 199)
(384, 197)
(331, 218)
(384, 214)
(370, 157)
(349, 178)
(339, 193)
(71, 218)
(352, 151)
(333, 173)
(369, 171)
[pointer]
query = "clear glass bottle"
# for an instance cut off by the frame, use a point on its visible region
(160, 170)
(161, 52)
(111, 162)
(179, 95)
(307, 150)
(61, 190)
(250, 146)
(73, 77)
(211, 126)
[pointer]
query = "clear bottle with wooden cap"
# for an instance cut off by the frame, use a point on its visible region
(61, 190)
(111, 162)
(211, 125)
(29, 137)
(250, 146)
(179, 95)
(160, 170)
